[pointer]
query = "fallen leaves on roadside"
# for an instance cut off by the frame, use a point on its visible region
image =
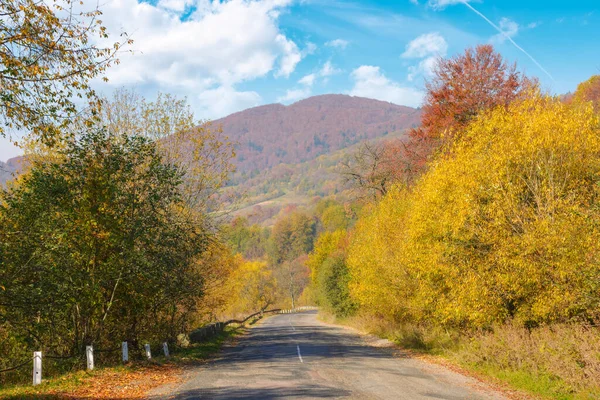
(131, 383)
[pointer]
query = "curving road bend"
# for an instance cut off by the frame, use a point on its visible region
(296, 356)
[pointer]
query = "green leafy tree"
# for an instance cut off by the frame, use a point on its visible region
(95, 248)
(248, 240)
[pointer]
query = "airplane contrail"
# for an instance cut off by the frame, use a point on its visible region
(465, 2)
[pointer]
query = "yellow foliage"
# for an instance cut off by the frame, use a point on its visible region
(251, 288)
(326, 244)
(504, 225)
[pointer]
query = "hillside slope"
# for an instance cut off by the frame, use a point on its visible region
(9, 169)
(272, 134)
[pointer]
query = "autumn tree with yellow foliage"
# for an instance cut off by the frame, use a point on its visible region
(503, 227)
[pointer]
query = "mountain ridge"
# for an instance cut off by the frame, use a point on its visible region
(272, 134)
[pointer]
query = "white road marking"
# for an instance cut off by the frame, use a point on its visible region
(290, 320)
(299, 355)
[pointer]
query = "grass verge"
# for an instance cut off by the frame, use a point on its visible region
(130, 381)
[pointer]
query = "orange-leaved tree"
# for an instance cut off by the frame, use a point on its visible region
(462, 87)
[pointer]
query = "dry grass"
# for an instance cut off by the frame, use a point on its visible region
(561, 361)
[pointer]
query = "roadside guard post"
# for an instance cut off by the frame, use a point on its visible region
(125, 351)
(37, 367)
(89, 355)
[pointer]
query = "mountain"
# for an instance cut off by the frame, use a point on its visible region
(290, 154)
(9, 168)
(272, 134)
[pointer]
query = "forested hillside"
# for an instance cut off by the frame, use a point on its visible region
(268, 135)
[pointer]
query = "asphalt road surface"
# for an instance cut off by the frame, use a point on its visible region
(296, 356)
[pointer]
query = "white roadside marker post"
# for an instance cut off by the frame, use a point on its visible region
(89, 355)
(37, 367)
(148, 354)
(166, 349)
(125, 351)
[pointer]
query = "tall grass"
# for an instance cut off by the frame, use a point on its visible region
(559, 361)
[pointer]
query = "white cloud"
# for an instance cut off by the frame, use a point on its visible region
(370, 82)
(423, 68)
(426, 45)
(309, 49)
(294, 95)
(440, 4)
(533, 25)
(175, 5)
(308, 80)
(290, 58)
(218, 46)
(509, 29)
(338, 43)
(328, 69)
(225, 100)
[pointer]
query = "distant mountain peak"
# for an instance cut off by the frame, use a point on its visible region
(274, 133)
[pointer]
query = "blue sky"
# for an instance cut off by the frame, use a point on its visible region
(225, 56)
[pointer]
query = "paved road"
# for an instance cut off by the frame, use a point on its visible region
(298, 357)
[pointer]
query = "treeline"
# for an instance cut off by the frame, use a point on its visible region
(282, 250)
(105, 236)
(111, 231)
(487, 223)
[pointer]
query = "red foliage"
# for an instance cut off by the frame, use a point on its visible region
(466, 85)
(462, 87)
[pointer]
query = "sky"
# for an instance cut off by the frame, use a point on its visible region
(226, 56)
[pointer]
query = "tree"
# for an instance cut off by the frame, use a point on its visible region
(462, 87)
(291, 239)
(201, 150)
(375, 167)
(292, 236)
(95, 248)
(367, 171)
(251, 288)
(588, 91)
(503, 227)
(48, 61)
(248, 240)
(330, 275)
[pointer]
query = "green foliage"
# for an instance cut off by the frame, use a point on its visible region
(334, 278)
(247, 240)
(332, 215)
(95, 248)
(330, 274)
